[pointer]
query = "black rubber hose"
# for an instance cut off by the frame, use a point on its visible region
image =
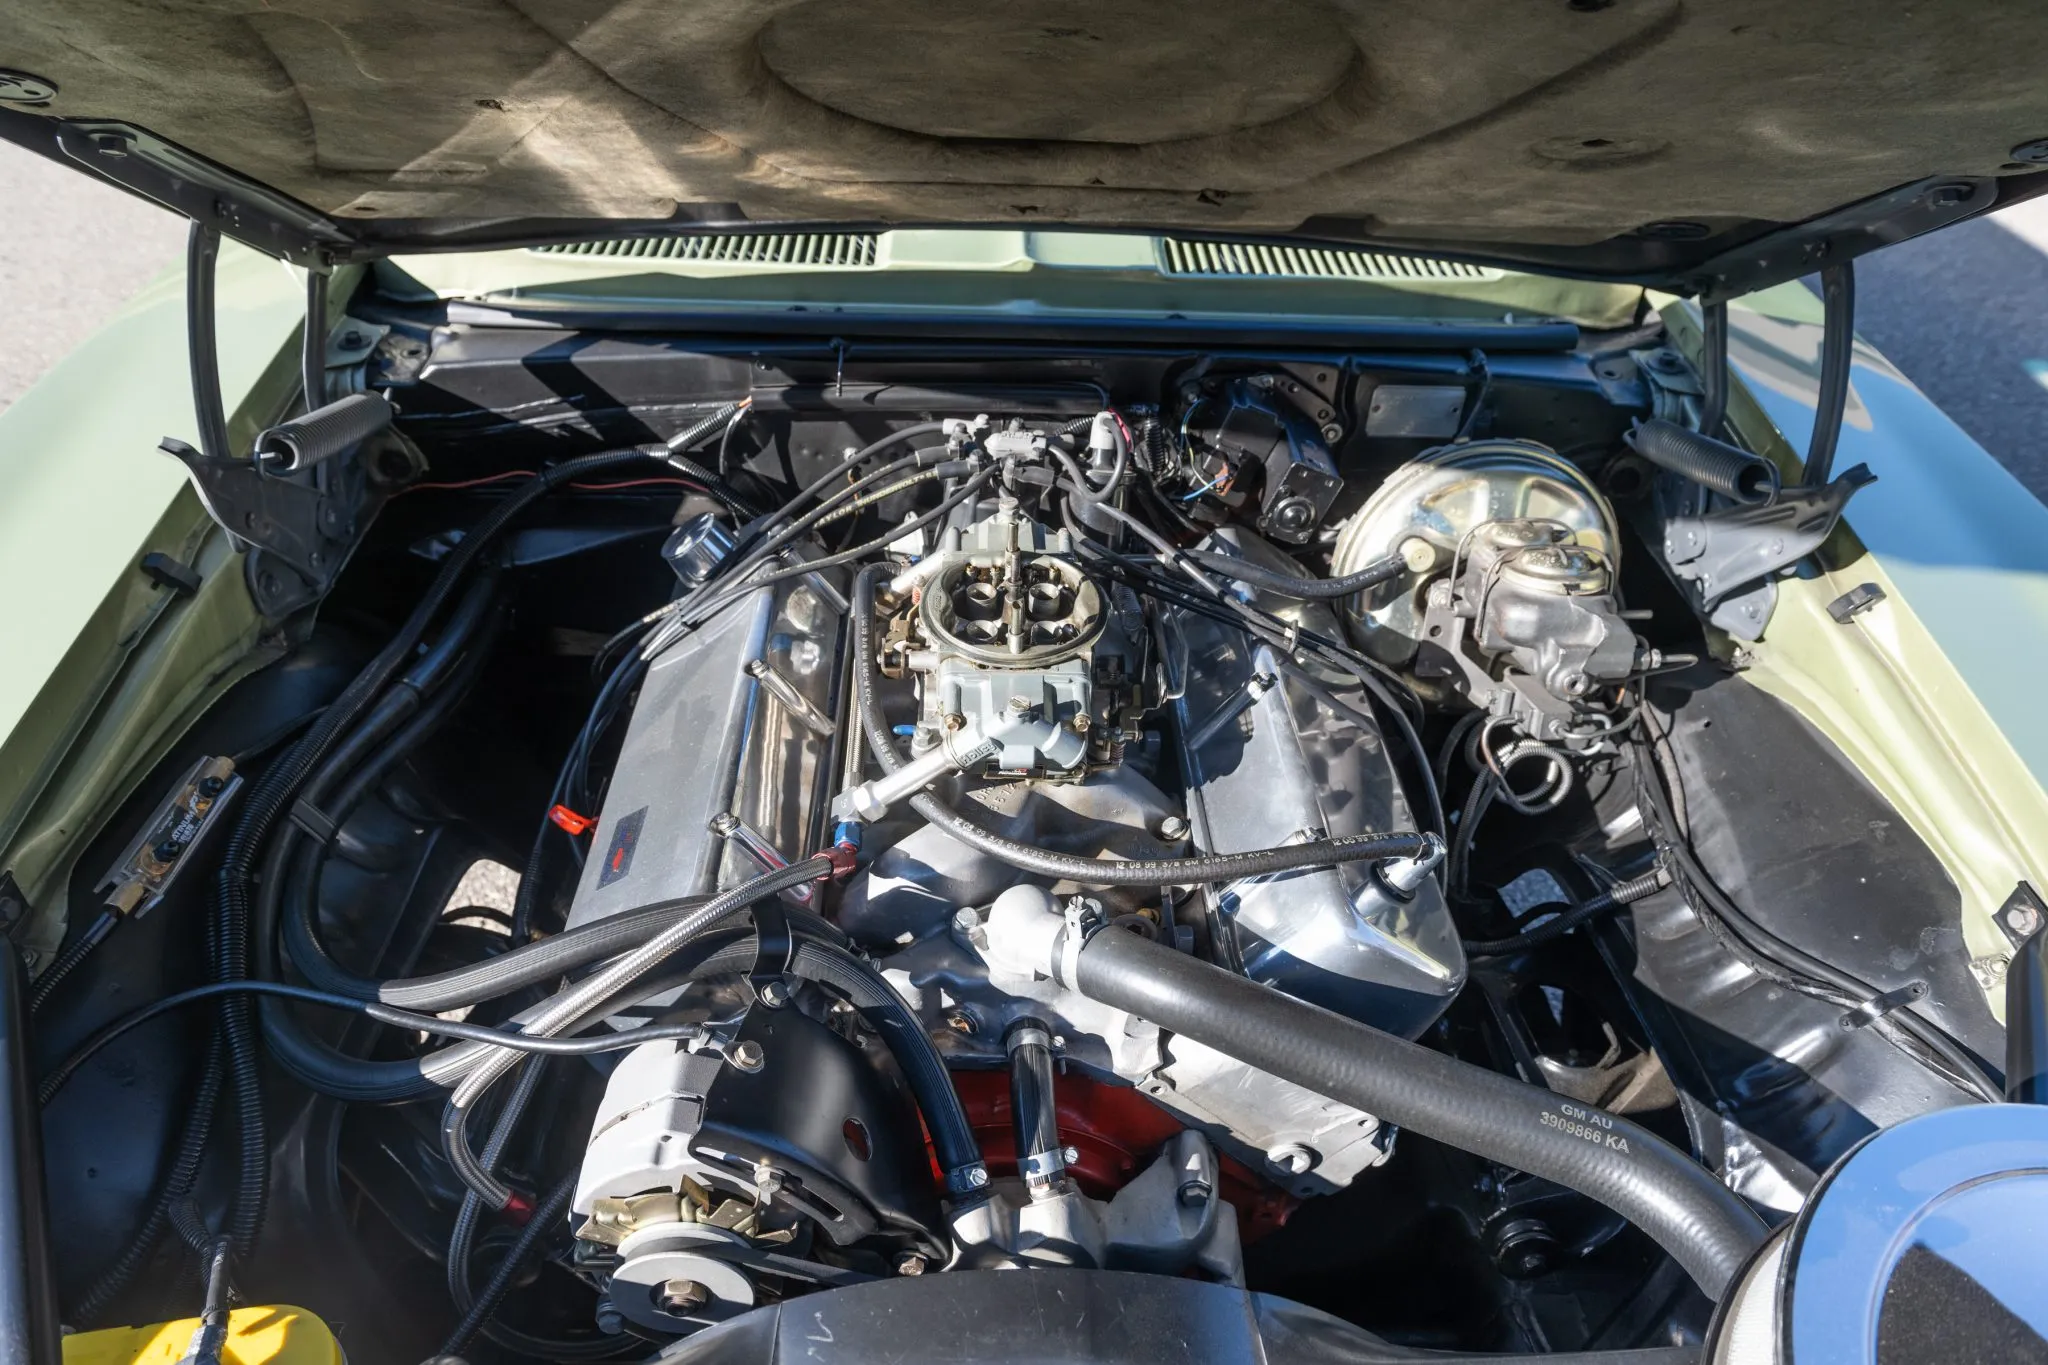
(324, 433)
(1077, 479)
(1211, 867)
(293, 864)
(1556, 927)
(1290, 585)
(313, 342)
(713, 484)
(1034, 1109)
(303, 865)
(227, 927)
(924, 1071)
(1714, 367)
(1728, 470)
(2026, 1021)
(1837, 354)
(1705, 1226)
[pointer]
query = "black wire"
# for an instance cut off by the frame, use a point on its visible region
(546, 1219)
(383, 1014)
(74, 954)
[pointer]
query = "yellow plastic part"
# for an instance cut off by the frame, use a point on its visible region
(279, 1335)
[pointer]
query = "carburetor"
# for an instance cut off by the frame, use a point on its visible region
(1026, 666)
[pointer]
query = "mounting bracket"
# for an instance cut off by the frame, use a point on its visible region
(296, 529)
(1731, 558)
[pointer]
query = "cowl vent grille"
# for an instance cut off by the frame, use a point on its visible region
(839, 250)
(1252, 260)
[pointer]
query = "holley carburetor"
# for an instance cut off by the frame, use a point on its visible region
(1026, 666)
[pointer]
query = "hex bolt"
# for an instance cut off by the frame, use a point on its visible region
(774, 994)
(1173, 829)
(910, 1263)
(609, 1319)
(1082, 720)
(747, 1055)
(960, 1021)
(955, 722)
(1020, 703)
(683, 1297)
(1194, 1193)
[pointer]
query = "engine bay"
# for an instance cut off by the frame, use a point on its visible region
(1290, 822)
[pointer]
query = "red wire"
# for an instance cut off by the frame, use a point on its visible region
(639, 483)
(529, 473)
(470, 483)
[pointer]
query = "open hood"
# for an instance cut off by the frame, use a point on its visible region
(1708, 146)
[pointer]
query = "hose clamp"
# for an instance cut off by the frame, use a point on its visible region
(1083, 916)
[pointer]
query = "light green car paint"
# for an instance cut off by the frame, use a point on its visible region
(1933, 694)
(104, 670)
(1068, 274)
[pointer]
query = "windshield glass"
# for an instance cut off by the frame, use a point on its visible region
(1047, 274)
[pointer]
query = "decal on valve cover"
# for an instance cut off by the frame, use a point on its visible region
(618, 859)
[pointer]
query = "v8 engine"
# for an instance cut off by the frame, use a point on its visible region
(1021, 746)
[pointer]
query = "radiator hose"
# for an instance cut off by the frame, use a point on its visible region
(1705, 1226)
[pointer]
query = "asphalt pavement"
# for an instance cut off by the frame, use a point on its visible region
(1963, 312)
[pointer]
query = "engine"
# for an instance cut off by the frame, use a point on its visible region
(1007, 666)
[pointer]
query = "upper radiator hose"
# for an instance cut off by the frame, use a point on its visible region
(1703, 1224)
(1728, 470)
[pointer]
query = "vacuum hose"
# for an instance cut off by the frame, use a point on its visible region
(1703, 1224)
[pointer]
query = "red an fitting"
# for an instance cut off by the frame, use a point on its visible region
(570, 820)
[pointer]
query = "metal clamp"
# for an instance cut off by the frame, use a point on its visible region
(1878, 1006)
(774, 954)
